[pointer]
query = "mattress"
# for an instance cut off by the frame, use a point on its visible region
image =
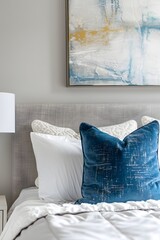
(32, 218)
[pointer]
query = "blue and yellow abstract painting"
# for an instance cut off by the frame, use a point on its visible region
(114, 42)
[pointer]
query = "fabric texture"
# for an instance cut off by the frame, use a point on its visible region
(59, 164)
(145, 120)
(120, 171)
(120, 130)
(117, 130)
(47, 128)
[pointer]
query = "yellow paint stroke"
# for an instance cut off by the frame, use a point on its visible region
(88, 36)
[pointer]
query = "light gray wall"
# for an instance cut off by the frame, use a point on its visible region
(32, 65)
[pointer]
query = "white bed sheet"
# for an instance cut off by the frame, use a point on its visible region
(26, 194)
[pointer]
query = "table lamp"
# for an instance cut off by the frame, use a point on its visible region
(7, 112)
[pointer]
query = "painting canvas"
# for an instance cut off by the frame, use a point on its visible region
(113, 42)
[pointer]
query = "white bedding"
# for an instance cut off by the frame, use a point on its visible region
(26, 194)
(36, 220)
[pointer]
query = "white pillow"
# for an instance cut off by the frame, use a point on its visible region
(47, 128)
(119, 130)
(59, 164)
(145, 120)
(36, 182)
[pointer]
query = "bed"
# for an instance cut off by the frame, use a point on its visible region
(34, 217)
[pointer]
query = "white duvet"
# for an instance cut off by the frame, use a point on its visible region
(118, 221)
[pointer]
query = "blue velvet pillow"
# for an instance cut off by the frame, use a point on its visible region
(120, 171)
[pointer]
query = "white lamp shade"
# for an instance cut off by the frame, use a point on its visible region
(7, 112)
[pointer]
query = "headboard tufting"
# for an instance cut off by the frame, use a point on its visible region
(65, 115)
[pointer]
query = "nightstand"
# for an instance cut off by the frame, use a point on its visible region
(3, 212)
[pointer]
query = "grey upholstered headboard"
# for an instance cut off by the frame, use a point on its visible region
(66, 115)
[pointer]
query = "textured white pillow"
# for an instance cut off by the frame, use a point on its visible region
(119, 130)
(47, 128)
(59, 164)
(145, 120)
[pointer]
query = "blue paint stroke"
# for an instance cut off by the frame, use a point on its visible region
(102, 5)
